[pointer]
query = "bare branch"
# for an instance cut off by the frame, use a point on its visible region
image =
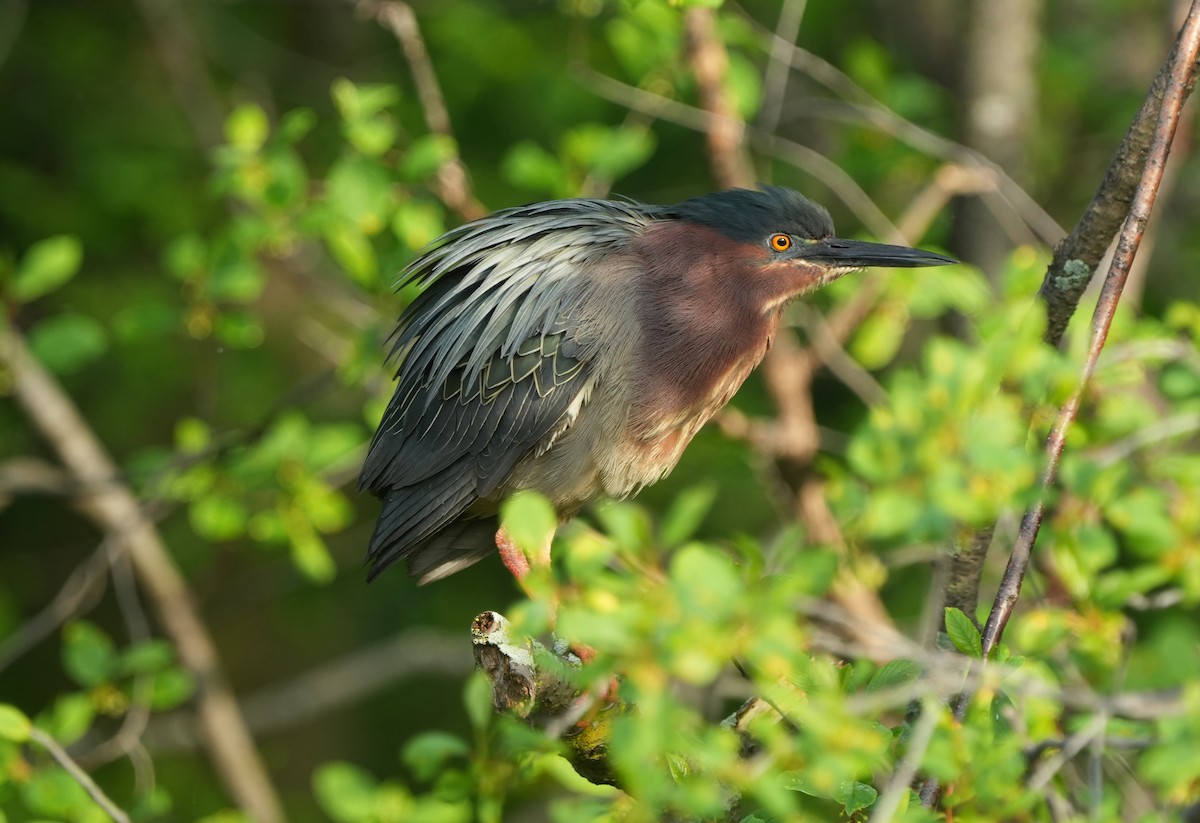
(452, 182)
(115, 509)
(775, 81)
(897, 785)
(708, 59)
(30, 475)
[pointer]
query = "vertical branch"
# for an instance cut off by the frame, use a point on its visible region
(788, 369)
(453, 184)
(709, 61)
(115, 509)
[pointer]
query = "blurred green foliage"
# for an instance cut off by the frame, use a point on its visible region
(199, 238)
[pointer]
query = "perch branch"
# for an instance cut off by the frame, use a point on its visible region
(534, 684)
(113, 506)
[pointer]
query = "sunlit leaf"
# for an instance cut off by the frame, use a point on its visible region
(46, 266)
(14, 725)
(963, 633)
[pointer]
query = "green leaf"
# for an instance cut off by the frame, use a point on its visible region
(186, 256)
(706, 580)
(894, 674)
(372, 135)
(607, 151)
(88, 654)
(854, 795)
(963, 633)
(14, 725)
(354, 253)
(477, 697)
(879, 336)
(686, 514)
(426, 754)
(359, 190)
(246, 127)
(47, 265)
(426, 155)
(146, 657)
(192, 435)
(345, 792)
(295, 124)
(69, 718)
(529, 166)
(172, 687)
(418, 222)
(239, 330)
(217, 517)
(237, 280)
(311, 555)
(54, 795)
(66, 343)
(529, 521)
(355, 101)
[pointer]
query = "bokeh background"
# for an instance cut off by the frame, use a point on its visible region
(208, 201)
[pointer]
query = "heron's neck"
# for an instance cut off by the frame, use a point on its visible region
(704, 326)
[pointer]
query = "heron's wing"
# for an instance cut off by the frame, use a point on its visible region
(494, 367)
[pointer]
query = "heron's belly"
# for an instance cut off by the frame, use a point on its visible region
(592, 460)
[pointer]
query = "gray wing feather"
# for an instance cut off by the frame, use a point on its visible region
(490, 362)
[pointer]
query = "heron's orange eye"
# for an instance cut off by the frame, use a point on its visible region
(781, 242)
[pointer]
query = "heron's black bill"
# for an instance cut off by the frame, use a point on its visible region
(860, 254)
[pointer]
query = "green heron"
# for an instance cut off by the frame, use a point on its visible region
(574, 348)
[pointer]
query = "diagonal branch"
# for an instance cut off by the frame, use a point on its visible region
(78, 774)
(1070, 271)
(113, 506)
(1172, 86)
(1181, 79)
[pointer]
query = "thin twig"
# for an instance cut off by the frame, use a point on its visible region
(1072, 746)
(113, 506)
(79, 775)
(76, 596)
(864, 108)
(906, 769)
(775, 81)
(128, 738)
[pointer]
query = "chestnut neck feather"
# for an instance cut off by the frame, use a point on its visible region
(708, 311)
